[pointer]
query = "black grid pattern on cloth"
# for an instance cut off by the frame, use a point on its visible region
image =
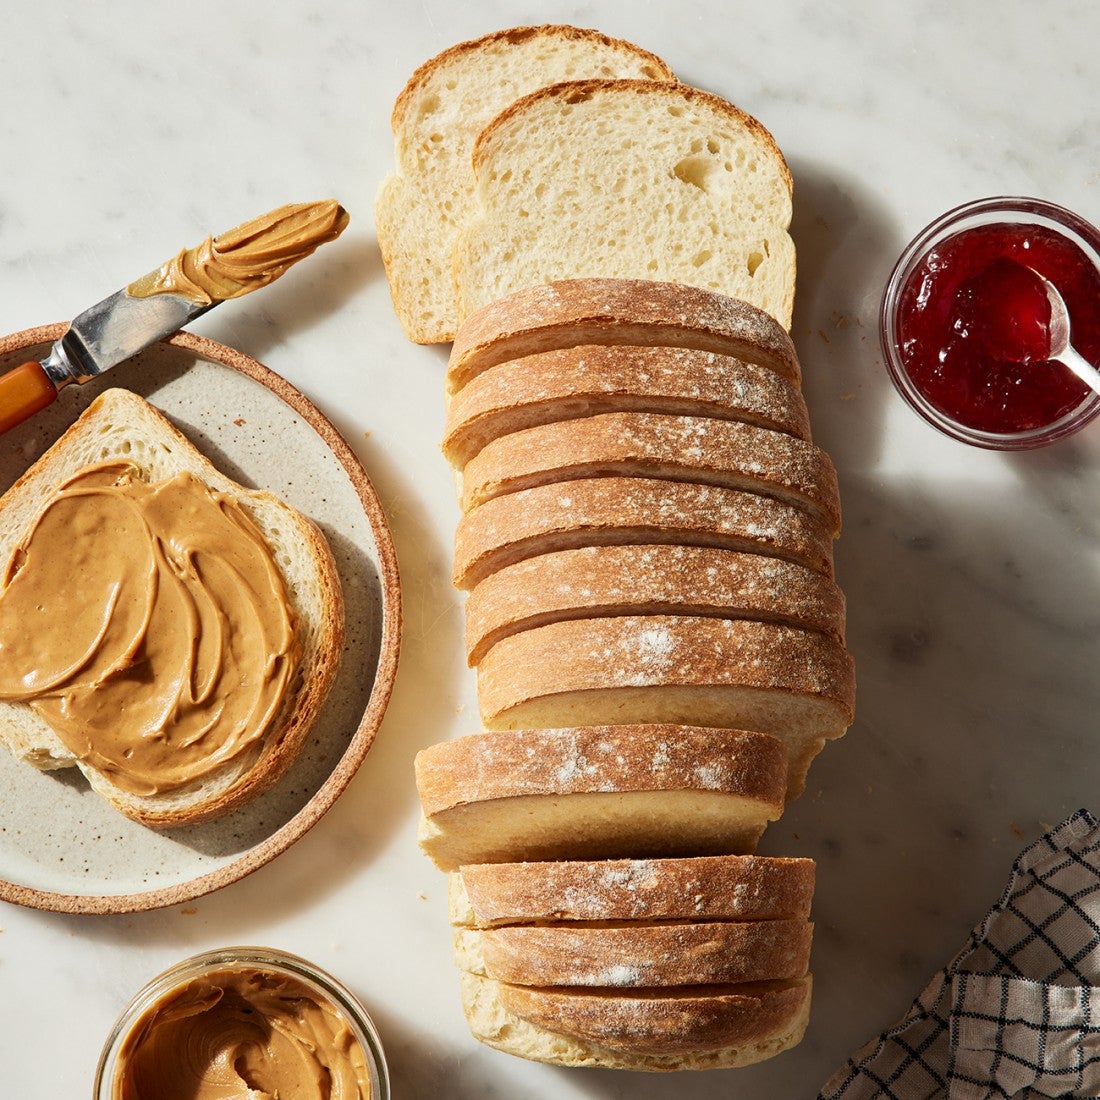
(1016, 1013)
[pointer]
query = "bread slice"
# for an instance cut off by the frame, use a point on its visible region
(437, 116)
(583, 381)
(658, 1030)
(797, 685)
(700, 888)
(575, 312)
(619, 511)
(679, 448)
(120, 425)
(630, 179)
(597, 581)
(597, 793)
(637, 954)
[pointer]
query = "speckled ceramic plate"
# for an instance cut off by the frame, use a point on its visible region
(64, 848)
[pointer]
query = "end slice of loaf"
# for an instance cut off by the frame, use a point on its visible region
(665, 1030)
(620, 511)
(700, 888)
(637, 954)
(698, 449)
(599, 581)
(630, 179)
(583, 381)
(595, 793)
(571, 312)
(796, 685)
(122, 425)
(444, 106)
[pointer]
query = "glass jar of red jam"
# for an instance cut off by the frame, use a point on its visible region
(964, 322)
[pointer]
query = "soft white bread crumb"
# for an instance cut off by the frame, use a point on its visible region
(633, 179)
(436, 119)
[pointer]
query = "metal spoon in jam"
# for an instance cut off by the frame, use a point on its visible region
(1013, 314)
(1059, 344)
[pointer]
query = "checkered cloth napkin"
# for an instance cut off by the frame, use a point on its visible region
(1016, 1013)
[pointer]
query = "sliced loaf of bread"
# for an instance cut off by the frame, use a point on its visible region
(582, 381)
(795, 684)
(700, 888)
(620, 511)
(698, 449)
(597, 793)
(444, 106)
(662, 1030)
(596, 581)
(572, 312)
(628, 179)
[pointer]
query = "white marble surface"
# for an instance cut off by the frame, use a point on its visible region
(129, 129)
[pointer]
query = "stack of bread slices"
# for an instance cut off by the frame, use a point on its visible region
(646, 541)
(646, 544)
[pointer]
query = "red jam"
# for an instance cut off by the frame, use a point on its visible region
(972, 326)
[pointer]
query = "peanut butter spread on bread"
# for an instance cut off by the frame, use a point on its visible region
(246, 258)
(238, 1033)
(148, 625)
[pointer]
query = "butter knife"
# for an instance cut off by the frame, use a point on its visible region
(195, 280)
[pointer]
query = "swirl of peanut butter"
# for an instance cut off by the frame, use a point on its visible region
(242, 1033)
(149, 627)
(246, 258)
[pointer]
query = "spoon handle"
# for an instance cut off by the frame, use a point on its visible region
(1070, 357)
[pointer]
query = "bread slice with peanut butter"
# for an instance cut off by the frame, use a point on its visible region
(206, 716)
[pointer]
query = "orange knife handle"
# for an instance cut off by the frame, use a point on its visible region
(24, 390)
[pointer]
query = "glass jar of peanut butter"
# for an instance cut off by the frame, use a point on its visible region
(246, 1021)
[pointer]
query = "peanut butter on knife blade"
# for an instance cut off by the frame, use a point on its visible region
(246, 258)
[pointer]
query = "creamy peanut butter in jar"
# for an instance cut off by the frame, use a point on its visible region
(243, 1022)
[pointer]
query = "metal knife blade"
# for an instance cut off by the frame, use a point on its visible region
(149, 309)
(114, 330)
